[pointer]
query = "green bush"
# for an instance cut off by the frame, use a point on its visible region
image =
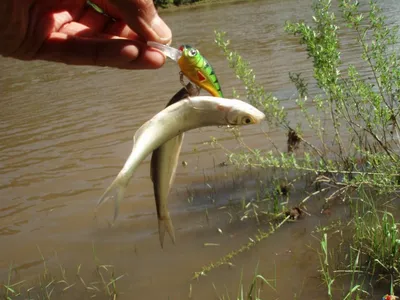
(356, 121)
(362, 149)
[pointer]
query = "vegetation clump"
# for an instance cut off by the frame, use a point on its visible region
(355, 116)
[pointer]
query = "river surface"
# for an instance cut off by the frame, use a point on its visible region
(65, 133)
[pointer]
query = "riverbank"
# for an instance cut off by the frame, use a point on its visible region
(172, 8)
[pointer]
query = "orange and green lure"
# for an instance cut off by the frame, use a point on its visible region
(193, 65)
(198, 70)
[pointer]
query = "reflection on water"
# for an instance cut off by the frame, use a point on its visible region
(66, 132)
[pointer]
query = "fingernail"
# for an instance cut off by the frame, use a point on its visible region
(161, 29)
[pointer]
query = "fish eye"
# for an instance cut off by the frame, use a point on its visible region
(192, 52)
(246, 120)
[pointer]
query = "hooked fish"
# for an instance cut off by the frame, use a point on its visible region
(196, 67)
(187, 114)
(193, 65)
(164, 161)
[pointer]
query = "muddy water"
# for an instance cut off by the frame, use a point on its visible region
(66, 132)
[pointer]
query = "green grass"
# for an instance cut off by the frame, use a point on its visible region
(52, 284)
(253, 291)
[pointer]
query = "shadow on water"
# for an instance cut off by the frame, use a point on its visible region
(66, 132)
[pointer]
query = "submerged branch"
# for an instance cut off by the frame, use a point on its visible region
(231, 255)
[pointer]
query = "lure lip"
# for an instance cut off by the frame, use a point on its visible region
(168, 51)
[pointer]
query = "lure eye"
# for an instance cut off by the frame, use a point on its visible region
(246, 120)
(192, 52)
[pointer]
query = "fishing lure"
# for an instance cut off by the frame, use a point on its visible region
(389, 297)
(194, 66)
(99, 9)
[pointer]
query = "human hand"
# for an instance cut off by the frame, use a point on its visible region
(71, 32)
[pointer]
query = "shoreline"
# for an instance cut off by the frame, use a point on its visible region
(172, 8)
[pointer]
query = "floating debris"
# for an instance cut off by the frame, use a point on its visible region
(211, 244)
(293, 141)
(294, 213)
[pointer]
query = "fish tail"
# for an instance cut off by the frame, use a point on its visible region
(115, 190)
(165, 224)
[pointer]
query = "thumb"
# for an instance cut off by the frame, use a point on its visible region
(142, 17)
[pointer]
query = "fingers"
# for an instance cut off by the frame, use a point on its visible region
(78, 29)
(96, 40)
(99, 23)
(142, 16)
(121, 29)
(111, 51)
(117, 29)
(94, 20)
(92, 23)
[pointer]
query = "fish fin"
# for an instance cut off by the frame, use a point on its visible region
(152, 162)
(165, 224)
(120, 195)
(115, 190)
(181, 94)
(173, 166)
(140, 131)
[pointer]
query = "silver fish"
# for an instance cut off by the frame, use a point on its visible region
(162, 169)
(187, 114)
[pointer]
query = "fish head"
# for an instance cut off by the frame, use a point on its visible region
(238, 112)
(190, 55)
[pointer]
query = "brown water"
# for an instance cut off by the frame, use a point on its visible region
(65, 133)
